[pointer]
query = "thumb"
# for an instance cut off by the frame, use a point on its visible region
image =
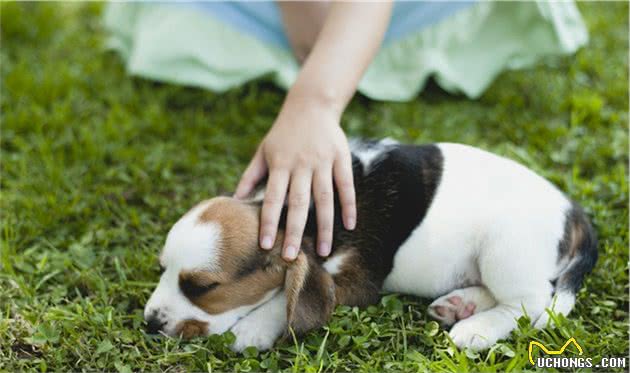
(253, 173)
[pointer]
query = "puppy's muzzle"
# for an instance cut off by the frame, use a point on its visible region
(154, 324)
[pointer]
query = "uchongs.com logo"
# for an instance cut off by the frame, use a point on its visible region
(559, 359)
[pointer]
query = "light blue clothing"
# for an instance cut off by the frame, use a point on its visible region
(462, 45)
(264, 21)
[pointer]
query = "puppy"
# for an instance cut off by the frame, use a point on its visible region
(484, 236)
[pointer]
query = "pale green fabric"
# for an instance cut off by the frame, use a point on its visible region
(464, 53)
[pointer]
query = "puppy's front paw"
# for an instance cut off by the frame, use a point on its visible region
(248, 334)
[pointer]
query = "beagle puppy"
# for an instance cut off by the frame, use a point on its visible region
(484, 236)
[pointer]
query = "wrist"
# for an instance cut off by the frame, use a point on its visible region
(322, 99)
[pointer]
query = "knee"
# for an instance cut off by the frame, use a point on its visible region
(303, 22)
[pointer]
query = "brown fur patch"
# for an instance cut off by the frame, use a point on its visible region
(294, 282)
(239, 230)
(353, 281)
(230, 294)
(192, 328)
(310, 292)
(245, 272)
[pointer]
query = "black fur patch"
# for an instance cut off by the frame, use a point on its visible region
(191, 289)
(392, 199)
(580, 248)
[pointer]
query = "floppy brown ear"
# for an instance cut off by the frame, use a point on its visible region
(310, 292)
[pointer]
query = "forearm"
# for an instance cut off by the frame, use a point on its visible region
(345, 47)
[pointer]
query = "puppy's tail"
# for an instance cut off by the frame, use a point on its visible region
(578, 249)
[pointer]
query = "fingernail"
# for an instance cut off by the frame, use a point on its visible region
(290, 252)
(266, 242)
(324, 249)
(351, 223)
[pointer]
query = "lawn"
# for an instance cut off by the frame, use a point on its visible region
(97, 165)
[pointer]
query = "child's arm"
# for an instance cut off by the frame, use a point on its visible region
(306, 148)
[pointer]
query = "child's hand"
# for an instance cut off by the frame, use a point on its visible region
(303, 151)
(306, 147)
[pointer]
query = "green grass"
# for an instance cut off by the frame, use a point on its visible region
(96, 166)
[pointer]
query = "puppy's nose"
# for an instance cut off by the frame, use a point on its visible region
(154, 325)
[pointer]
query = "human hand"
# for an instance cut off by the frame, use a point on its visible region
(304, 151)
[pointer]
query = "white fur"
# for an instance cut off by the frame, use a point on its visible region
(562, 303)
(333, 264)
(491, 222)
(262, 326)
(191, 244)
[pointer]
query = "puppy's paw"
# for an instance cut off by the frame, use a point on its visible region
(249, 334)
(473, 335)
(451, 308)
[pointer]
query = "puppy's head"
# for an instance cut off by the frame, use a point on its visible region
(215, 273)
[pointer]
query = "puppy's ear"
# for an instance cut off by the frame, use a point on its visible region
(310, 292)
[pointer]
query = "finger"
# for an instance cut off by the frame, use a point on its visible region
(255, 171)
(299, 199)
(272, 206)
(324, 206)
(342, 172)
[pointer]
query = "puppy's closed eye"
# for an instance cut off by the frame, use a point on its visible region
(191, 289)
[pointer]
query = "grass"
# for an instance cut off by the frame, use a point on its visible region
(96, 166)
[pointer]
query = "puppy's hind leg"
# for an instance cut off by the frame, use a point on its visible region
(460, 304)
(517, 276)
